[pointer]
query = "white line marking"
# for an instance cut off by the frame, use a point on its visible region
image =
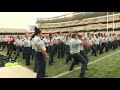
(62, 74)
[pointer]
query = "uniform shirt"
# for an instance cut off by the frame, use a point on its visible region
(91, 41)
(38, 42)
(97, 40)
(27, 42)
(67, 41)
(46, 42)
(51, 44)
(74, 46)
(33, 43)
(102, 39)
(18, 41)
(60, 38)
(110, 38)
(80, 46)
(106, 39)
(1, 40)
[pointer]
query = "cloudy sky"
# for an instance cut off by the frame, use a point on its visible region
(24, 19)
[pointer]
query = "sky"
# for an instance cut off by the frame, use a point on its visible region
(24, 19)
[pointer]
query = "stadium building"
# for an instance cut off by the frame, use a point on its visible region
(81, 22)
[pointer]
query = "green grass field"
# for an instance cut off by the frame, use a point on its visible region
(103, 69)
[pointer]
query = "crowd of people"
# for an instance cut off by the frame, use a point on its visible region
(74, 45)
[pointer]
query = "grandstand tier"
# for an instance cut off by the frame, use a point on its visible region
(93, 23)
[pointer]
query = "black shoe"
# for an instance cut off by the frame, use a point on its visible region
(50, 63)
(84, 77)
(70, 69)
(45, 76)
(87, 69)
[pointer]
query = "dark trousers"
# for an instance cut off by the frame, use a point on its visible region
(27, 55)
(51, 51)
(68, 58)
(18, 50)
(36, 62)
(110, 45)
(119, 43)
(104, 45)
(60, 50)
(83, 53)
(55, 48)
(41, 65)
(94, 50)
(0, 44)
(79, 58)
(4, 45)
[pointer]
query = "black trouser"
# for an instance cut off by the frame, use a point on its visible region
(119, 43)
(83, 53)
(51, 51)
(4, 45)
(104, 45)
(79, 58)
(110, 45)
(99, 48)
(36, 62)
(60, 50)
(41, 64)
(94, 50)
(0, 45)
(18, 50)
(68, 54)
(27, 55)
(55, 48)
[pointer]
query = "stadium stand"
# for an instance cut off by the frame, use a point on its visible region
(93, 23)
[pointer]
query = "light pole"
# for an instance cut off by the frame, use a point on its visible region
(107, 22)
(113, 22)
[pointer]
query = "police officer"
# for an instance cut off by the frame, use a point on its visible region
(18, 43)
(33, 53)
(75, 53)
(40, 52)
(82, 51)
(27, 49)
(68, 58)
(51, 48)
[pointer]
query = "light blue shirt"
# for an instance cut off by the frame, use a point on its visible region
(38, 42)
(27, 42)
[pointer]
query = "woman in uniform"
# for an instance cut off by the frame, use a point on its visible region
(40, 52)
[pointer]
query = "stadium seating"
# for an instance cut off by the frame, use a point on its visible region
(85, 24)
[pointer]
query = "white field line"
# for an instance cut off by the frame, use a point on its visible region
(62, 74)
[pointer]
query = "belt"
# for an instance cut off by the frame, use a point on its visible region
(26, 47)
(76, 53)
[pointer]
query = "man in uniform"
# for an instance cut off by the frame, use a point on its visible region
(75, 53)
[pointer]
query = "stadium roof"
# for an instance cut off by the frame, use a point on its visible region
(72, 16)
(12, 30)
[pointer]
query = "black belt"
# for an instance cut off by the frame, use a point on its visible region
(26, 47)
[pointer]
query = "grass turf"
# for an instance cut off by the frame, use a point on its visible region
(59, 66)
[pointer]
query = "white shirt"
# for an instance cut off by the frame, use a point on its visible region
(81, 46)
(38, 42)
(33, 43)
(97, 40)
(74, 46)
(46, 42)
(51, 41)
(110, 38)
